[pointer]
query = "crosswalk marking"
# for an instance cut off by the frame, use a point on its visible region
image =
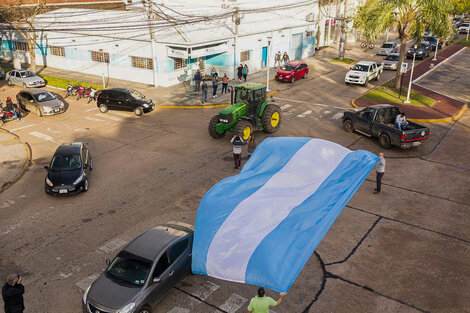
(178, 310)
(113, 245)
(42, 136)
(285, 106)
(109, 117)
(233, 303)
(290, 100)
(337, 116)
(302, 115)
(94, 119)
(22, 127)
(205, 290)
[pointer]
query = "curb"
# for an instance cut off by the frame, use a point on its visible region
(211, 106)
(441, 120)
(25, 166)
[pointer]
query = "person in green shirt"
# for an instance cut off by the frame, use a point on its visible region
(261, 304)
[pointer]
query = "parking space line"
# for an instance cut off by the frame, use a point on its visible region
(290, 100)
(94, 119)
(233, 303)
(302, 115)
(84, 283)
(113, 118)
(92, 109)
(22, 127)
(42, 136)
(285, 106)
(120, 113)
(178, 310)
(337, 115)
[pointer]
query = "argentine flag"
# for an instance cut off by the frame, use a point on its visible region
(260, 227)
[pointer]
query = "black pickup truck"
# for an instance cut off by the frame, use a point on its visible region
(379, 121)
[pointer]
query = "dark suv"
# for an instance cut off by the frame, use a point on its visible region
(124, 100)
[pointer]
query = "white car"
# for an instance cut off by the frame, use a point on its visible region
(363, 72)
(391, 61)
(387, 48)
(464, 28)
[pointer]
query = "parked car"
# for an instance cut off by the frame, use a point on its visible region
(124, 100)
(457, 21)
(433, 42)
(422, 51)
(387, 48)
(2, 74)
(69, 169)
(379, 121)
(291, 71)
(40, 101)
(391, 61)
(24, 78)
(143, 272)
(464, 28)
(363, 72)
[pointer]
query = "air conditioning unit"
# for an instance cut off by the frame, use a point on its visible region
(310, 17)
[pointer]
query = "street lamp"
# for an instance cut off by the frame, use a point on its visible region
(267, 63)
(411, 74)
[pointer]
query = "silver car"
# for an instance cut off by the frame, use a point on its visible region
(24, 78)
(391, 61)
(40, 101)
(143, 272)
(387, 48)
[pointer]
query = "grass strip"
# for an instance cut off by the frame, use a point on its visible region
(464, 42)
(387, 94)
(344, 61)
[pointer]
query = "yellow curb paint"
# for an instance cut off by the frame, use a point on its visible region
(440, 120)
(212, 106)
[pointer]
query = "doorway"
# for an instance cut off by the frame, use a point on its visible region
(265, 56)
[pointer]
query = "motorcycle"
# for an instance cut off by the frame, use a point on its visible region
(94, 95)
(90, 94)
(80, 91)
(86, 92)
(75, 90)
(68, 92)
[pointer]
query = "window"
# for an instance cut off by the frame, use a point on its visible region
(58, 51)
(178, 249)
(180, 63)
(102, 57)
(145, 63)
(162, 265)
(21, 46)
(366, 114)
(245, 56)
(309, 34)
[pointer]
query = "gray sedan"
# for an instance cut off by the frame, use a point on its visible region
(24, 78)
(40, 101)
(140, 275)
(391, 61)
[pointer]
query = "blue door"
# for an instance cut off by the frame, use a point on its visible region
(296, 46)
(265, 55)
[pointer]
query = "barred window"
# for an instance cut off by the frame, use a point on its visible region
(309, 34)
(58, 51)
(180, 63)
(97, 57)
(145, 63)
(245, 56)
(21, 46)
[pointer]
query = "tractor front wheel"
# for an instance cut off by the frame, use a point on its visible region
(271, 118)
(244, 129)
(212, 127)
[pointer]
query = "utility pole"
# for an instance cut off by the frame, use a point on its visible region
(236, 19)
(150, 17)
(329, 22)
(344, 32)
(336, 18)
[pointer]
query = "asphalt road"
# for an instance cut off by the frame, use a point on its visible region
(405, 250)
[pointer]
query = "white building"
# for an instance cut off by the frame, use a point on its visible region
(118, 44)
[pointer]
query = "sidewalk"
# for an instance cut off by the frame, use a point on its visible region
(15, 158)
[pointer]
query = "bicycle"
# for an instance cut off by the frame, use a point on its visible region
(365, 44)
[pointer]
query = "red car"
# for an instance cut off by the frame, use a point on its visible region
(291, 71)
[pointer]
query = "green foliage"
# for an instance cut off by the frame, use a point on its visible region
(386, 94)
(464, 42)
(344, 61)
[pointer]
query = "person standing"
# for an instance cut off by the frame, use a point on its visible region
(197, 79)
(285, 58)
(214, 72)
(245, 72)
(204, 88)
(251, 145)
(240, 72)
(261, 303)
(380, 169)
(215, 84)
(277, 59)
(224, 83)
(237, 143)
(12, 294)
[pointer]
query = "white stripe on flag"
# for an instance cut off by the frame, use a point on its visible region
(258, 215)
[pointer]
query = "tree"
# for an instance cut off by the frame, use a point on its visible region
(21, 19)
(408, 17)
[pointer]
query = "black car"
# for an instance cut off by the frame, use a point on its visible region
(124, 100)
(423, 51)
(143, 272)
(69, 169)
(433, 42)
(2, 74)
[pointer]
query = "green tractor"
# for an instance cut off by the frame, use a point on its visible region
(249, 111)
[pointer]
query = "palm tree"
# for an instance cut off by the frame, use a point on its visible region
(408, 17)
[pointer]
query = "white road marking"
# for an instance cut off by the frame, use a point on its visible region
(337, 116)
(94, 119)
(53, 131)
(178, 310)
(91, 109)
(205, 290)
(285, 106)
(22, 196)
(11, 202)
(326, 112)
(233, 303)
(22, 127)
(109, 117)
(4, 205)
(290, 112)
(65, 275)
(290, 100)
(84, 283)
(120, 113)
(81, 130)
(42, 136)
(340, 108)
(113, 245)
(302, 115)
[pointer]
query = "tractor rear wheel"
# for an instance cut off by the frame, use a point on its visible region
(271, 119)
(244, 129)
(212, 127)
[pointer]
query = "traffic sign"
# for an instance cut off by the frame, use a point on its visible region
(404, 67)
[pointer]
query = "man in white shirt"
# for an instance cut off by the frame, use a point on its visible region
(401, 122)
